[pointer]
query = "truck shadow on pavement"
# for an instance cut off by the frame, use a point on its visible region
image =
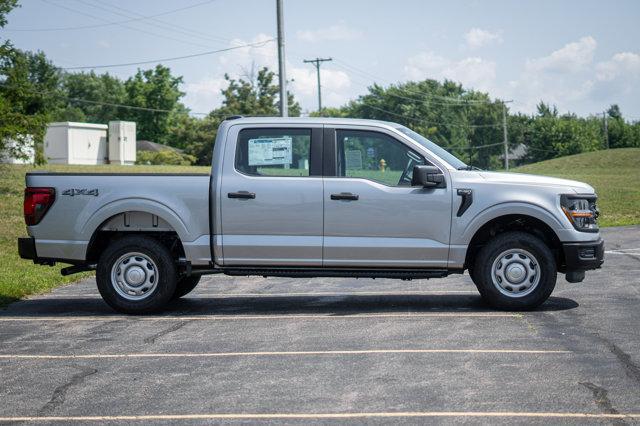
(279, 305)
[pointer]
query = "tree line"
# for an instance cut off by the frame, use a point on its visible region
(469, 123)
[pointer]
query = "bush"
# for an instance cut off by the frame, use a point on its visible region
(165, 157)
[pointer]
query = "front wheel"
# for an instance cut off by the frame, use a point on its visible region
(515, 271)
(136, 275)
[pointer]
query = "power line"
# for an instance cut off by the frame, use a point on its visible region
(450, 148)
(175, 58)
(427, 100)
(444, 98)
(88, 101)
(83, 27)
(120, 11)
(419, 119)
(140, 30)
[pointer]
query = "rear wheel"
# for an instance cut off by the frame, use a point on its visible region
(185, 285)
(136, 275)
(515, 271)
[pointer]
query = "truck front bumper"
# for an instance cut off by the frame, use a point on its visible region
(583, 256)
(27, 248)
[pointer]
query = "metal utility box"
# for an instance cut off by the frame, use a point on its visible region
(122, 142)
(76, 143)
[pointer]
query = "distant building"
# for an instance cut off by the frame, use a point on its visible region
(144, 145)
(87, 143)
(516, 155)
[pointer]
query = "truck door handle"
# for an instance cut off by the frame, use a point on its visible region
(344, 196)
(242, 194)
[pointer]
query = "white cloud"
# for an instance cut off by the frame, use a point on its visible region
(563, 78)
(472, 72)
(477, 37)
(619, 65)
(572, 57)
(618, 78)
(338, 32)
(336, 85)
(205, 94)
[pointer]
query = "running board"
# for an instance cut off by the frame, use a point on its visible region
(404, 274)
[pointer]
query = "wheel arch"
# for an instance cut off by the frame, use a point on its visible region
(515, 221)
(140, 221)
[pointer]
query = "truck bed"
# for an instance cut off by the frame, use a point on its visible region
(89, 202)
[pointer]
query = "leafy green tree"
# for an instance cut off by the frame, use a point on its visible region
(251, 97)
(255, 97)
(195, 136)
(462, 121)
(89, 96)
(154, 89)
(29, 93)
(555, 136)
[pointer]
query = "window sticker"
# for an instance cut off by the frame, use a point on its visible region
(271, 151)
(353, 159)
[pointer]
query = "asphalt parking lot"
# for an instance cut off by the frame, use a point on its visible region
(331, 351)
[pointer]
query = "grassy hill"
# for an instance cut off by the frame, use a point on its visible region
(20, 277)
(614, 173)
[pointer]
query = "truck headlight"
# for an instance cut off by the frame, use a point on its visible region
(581, 210)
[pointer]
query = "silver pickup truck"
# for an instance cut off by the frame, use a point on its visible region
(310, 197)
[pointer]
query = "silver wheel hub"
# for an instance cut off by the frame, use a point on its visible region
(134, 276)
(515, 272)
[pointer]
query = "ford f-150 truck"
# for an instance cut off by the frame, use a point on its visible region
(314, 197)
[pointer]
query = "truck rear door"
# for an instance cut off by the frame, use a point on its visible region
(272, 196)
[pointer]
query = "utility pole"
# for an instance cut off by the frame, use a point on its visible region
(605, 117)
(284, 99)
(505, 140)
(316, 62)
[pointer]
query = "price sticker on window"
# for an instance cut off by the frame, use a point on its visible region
(270, 151)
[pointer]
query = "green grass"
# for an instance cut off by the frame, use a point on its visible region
(19, 277)
(615, 174)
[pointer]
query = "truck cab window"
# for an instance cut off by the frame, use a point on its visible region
(273, 152)
(375, 156)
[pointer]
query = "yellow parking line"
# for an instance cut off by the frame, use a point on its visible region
(301, 416)
(261, 317)
(290, 353)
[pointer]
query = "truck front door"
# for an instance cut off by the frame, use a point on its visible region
(373, 217)
(271, 196)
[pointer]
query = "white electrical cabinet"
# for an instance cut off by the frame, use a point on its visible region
(122, 142)
(76, 143)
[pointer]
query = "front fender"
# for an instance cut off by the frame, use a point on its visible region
(504, 209)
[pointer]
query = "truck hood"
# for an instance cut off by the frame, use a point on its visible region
(526, 179)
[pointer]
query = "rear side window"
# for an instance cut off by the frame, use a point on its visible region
(273, 152)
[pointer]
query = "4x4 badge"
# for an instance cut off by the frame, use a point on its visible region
(83, 191)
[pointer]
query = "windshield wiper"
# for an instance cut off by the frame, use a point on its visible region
(469, 168)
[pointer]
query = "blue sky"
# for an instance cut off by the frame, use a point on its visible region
(580, 55)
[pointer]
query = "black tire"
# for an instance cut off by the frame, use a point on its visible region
(159, 275)
(185, 285)
(519, 297)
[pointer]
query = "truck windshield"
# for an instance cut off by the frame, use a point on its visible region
(436, 149)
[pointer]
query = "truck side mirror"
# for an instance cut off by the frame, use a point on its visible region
(427, 176)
